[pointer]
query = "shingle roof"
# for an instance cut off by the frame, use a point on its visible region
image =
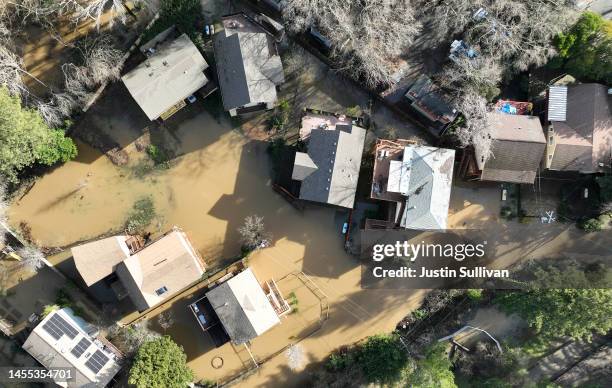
(171, 74)
(337, 154)
(430, 175)
(97, 259)
(242, 307)
(517, 149)
(247, 63)
(169, 262)
(588, 124)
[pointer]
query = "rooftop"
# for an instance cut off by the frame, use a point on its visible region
(249, 68)
(151, 274)
(584, 136)
(330, 169)
(61, 340)
(517, 149)
(243, 307)
(419, 178)
(174, 71)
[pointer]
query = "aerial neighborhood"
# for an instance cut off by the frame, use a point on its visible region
(192, 193)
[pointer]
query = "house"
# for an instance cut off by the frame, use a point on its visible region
(63, 340)
(124, 266)
(517, 148)
(328, 172)
(416, 183)
(424, 99)
(173, 71)
(579, 129)
(238, 309)
(248, 65)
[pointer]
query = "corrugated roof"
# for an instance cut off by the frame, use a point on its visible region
(557, 103)
(171, 74)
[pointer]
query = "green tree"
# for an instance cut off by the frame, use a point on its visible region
(160, 363)
(554, 313)
(382, 358)
(25, 139)
(585, 50)
(434, 370)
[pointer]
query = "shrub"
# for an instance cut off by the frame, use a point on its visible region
(591, 225)
(474, 293)
(141, 215)
(157, 155)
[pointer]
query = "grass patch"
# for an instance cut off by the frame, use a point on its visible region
(141, 216)
(158, 155)
(293, 302)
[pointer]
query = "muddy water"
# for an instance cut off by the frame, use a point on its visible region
(90, 196)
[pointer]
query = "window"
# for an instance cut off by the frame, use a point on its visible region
(550, 157)
(162, 290)
(551, 139)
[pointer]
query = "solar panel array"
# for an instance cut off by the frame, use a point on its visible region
(97, 361)
(57, 326)
(80, 348)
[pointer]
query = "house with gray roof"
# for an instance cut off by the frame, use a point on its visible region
(517, 149)
(172, 71)
(579, 133)
(416, 180)
(248, 65)
(242, 307)
(329, 170)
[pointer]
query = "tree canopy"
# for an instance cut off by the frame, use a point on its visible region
(382, 358)
(25, 139)
(554, 313)
(585, 50)
(434, 370)
(160, 363)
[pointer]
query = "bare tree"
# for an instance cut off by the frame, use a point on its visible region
(479, 75)
(3, 208)
(165, 320)
(367, 37)
(519, 32)
(253, 234)
(130, 338)
(31, 258)
(476, 130)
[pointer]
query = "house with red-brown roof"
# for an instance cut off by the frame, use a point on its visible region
(579, 133)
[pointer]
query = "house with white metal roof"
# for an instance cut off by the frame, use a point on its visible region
(173, 71)
(63, 340)
(416, 180)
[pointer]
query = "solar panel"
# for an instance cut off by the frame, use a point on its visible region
(56, 326)
(80, 348)
(52, 330)
(97, 361)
